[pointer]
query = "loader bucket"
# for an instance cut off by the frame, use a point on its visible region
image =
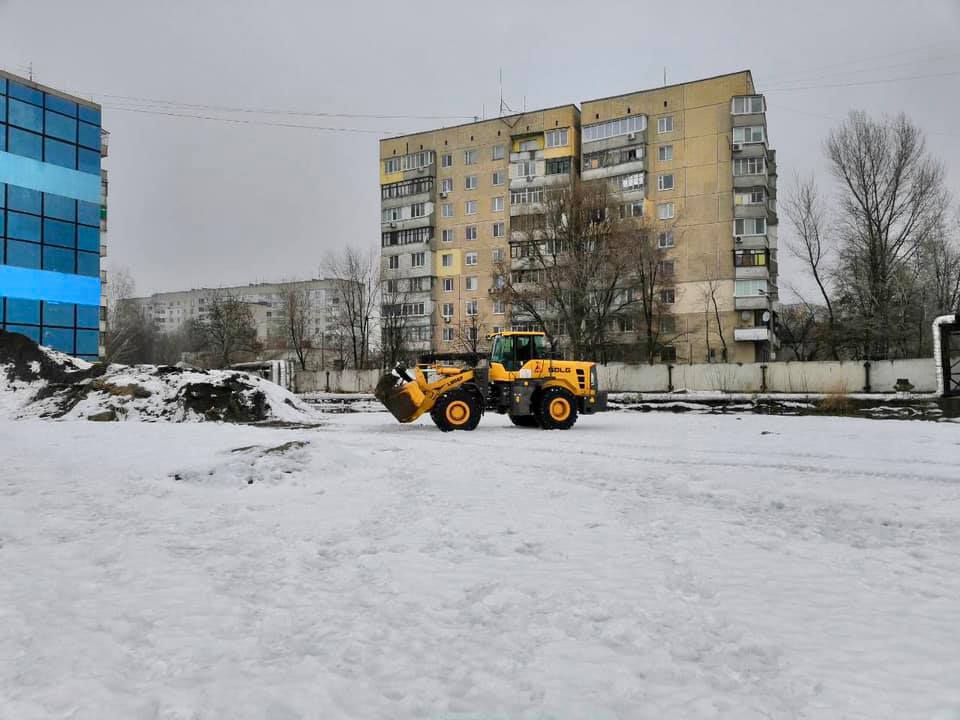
(403, 400)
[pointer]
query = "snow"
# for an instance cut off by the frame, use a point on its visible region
(637, 566)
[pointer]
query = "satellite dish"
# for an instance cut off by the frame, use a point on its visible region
(766, 316)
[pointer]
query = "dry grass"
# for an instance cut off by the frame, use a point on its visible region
(837, 401)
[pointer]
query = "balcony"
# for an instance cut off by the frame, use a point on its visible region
(104, 143)
(754, 272)
(103, 251)
(751, 149)
(751, 302)
(626, 168)
(423, 197)
(752, 334)
(526, 156)
(745, 182)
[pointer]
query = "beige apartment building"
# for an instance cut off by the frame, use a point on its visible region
(693, 157)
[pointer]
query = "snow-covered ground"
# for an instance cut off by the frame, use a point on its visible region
(638, 566)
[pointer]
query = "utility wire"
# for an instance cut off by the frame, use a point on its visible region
(250, 122)
(880, 68)
(864, 82)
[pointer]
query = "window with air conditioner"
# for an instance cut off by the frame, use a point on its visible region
(446, 185)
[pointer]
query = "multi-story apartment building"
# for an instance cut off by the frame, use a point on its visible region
(52, 217)
(693, 157)
(171, 311)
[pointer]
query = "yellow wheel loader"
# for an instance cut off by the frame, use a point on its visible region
(521, 378)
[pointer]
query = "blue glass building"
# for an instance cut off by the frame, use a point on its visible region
(50, 217)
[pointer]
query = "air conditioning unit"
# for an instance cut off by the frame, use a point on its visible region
(737, 147)
(529, 178)
(443, 193)
(737, 239)
(631, 136)
(393, 224)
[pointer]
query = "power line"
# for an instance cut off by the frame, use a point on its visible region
(864, 82)
(867, 70)
(249, 122)
(833, 118)
(273, 111)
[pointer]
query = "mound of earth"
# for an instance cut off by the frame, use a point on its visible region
(37, 382)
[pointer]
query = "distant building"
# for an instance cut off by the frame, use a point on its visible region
(172, 311)
(53, 217)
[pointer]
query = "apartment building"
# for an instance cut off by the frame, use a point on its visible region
(693, 157)
(53, 217)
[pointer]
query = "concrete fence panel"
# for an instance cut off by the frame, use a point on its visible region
(341, 381)
(921, 373)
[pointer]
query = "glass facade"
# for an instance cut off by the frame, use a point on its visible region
(49, 219)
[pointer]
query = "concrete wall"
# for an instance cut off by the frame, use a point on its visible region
(344, 381)
(788, 377)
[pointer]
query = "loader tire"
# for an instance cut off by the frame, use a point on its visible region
(525, 421)
(557, 409)
(457, 410)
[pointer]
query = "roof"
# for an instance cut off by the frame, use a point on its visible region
(52, 91)
(673, 85)
(479, 122)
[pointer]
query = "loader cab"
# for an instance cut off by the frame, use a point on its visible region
(513, 351)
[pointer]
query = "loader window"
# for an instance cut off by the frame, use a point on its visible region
(516, 350)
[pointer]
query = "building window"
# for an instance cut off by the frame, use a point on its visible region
(668, 354)
(470, 258)
(665, 182)
(418, 210)
(499, 229)
(753, 196)
(416, 284)
(526, 168)
(393, 262)
(747, 135)
(668, 324)
(417, 259)
(392, 214)
(749, 166)
(558, 166)
(446, 160)
(612, 128)
(609, 158)
(629, 183)
(446, 210)
(446, 260)
(750, 226)
(470, 283)
(447, 235)
(497, 203)
(665, 211)
(634, 209)
(497, 255)
(665, 124)
(470, 207)
(447, 310)
(666, 268)
(665, 153)
(668, 296)
(446, 185)
(470, 182)
(748, 105)
(665, 239)
(499, 307)
(750, 258)
(469, 157)
(448, 334)
(448, 284)
(532, 145)
(406, 188)
(749, 288)
(391, 165)
(498, 177)
(498, 152)
(526, 196)
(471, 308)
(557, 138)
(471, 232)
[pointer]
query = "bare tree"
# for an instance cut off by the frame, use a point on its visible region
(295, 314)
(574, 267)
(808, 218)
(393, 321)
(892, 199)
(941, 262)
(710, 294)
(130, 331)
(798, 330)
(471, 333)
(229, 329)
(357, 275)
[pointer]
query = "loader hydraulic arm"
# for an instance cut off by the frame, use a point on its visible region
(407, 395)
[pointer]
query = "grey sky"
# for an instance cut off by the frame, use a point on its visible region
(201, 202)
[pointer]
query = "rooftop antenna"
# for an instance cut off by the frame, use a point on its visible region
(29, 70)
(501, 91)
(664, 75)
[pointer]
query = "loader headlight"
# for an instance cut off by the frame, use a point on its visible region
(593, 377)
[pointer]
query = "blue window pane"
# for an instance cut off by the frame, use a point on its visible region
(3, 85)
(88, 316)
(20, 198)
(24, 115)
(58, 314)
(3, 195)
(24, 312)
(3, 109)
(89, 115)
(89, 161)
(56, 232)
(22, 254)
(67, 107)
(90, 136)
(59, 260)
(60, 153)
(61, 127)
(31, 332)
(25, 143)
(57, 206)
(89, 213)
(88, 264)
(3, 136)
(23, 227)
(16, 90)
(57, 339)
(3, 227)
(88, 238)
(88, 342)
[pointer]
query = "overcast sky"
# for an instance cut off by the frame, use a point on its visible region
(202, 202)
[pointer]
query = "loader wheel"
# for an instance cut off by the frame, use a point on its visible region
(524, 420)
(457, 410)
(558, 409)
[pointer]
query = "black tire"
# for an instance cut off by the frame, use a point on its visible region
(557, 409)
(458, 409)
(525, 421)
